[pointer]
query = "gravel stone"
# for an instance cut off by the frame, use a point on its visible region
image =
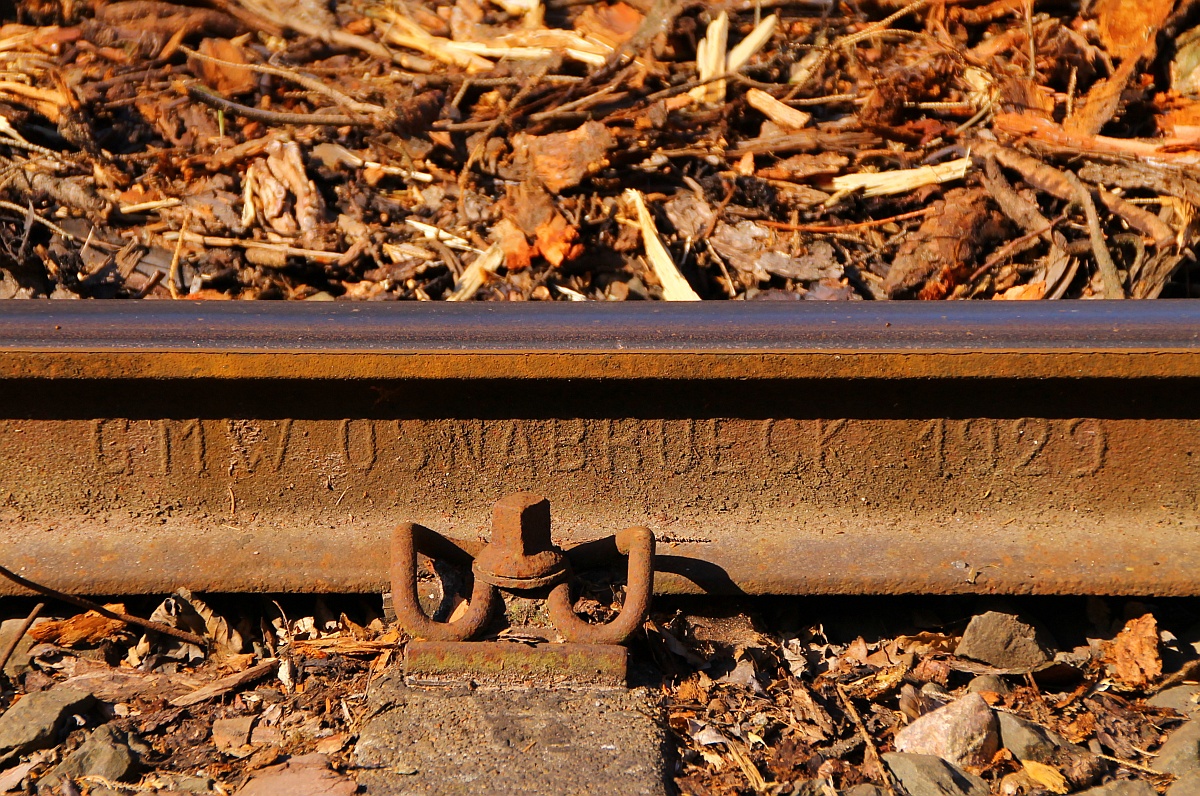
(1124, 787)
(307, 775)
(105, 753)
(1181, 753)
(1183, 699)
(19, 662)
(1187, 785)
(963, 732)
(927, 775)
(989, 682)
(35, 720)
(1004, 641)
(866, 789)
(1029, 741)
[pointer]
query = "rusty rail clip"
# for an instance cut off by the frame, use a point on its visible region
(520, 557)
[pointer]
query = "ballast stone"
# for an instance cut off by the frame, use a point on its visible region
(1183, 699)
(557, 742)
(1029, 741)
(1124, 787)
(963, 732)
(36, 719)
(1004, 641)
(1187, 785)
(1180, 754)
(927, 775)
(105, 753)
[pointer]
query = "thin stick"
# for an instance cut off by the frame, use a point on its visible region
(1127, 764)
(309, 82)
(872, 753)
(1010, 249)
(215, 100)
(173, 276)
(1113, 289)
(878, 27)
(878, 222)
(21, 631)
(88, 605)
(50, 225)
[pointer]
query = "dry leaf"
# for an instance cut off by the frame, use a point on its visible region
(562, 160)
(612, 25)
(1100, 103)
(226, 640)
(228, 80)
(1046, 776)
(517, 252)
(556, 240)
(1132, 657)
(1029, 292)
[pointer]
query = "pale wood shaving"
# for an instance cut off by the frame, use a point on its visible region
(885, 183)
(675, 287)
(476, 274)
(776, 111)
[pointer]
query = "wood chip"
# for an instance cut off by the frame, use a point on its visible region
(675, 287)
(776, 111)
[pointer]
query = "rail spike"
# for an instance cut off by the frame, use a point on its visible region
(520, 557)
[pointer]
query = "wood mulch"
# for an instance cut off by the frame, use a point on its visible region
(567, 150)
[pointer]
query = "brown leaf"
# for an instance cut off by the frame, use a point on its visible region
(613, 25)
(528, 206)
(228, 80)
(562, 160)
(556, 240)
(1127, 28)
(1132, 657)
(943, 251)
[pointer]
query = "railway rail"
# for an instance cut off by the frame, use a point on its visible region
(771, 447)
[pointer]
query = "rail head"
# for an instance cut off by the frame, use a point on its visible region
(630, 340)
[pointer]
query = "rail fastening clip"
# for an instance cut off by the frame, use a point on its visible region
(521, 557)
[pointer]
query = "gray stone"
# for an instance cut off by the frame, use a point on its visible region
(1122, 787)
(1004, 641)
(19, 662)
(1187, 785)
(105, 753)
(1181, 753)
(1029, 741)
(308, 775)
(989, 682)
(35, 720)
(864, 789)
(963, 732)
(807, 787)
(926, 775)
(1181, 699)
(456, 740)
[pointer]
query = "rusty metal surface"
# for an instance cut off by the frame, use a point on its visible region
(890, 448)
(521, 558)
(520, 553)
(628, 340)
(498, 663)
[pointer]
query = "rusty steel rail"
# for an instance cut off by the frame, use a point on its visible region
(772, 448)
